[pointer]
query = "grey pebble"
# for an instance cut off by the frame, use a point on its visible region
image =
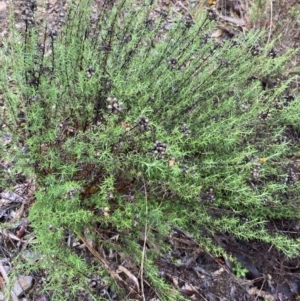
(22, 285)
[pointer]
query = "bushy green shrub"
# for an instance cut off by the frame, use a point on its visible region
(125, 121)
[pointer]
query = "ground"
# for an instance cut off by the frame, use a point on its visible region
(263, 273)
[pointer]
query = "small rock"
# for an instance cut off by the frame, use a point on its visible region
(22, 285)
(30, 257)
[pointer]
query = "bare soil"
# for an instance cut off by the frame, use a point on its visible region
(188, 268)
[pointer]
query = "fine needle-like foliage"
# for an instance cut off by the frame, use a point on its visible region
(127, 123)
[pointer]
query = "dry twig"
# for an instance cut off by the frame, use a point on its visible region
(5, 277)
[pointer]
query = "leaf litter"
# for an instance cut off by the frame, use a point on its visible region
(197, 274)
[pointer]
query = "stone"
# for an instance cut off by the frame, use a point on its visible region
(22, 285)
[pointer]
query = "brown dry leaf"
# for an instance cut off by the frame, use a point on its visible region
(260, 293)
(174, 280)
(4, 274)
(188, 290)
(10, 235)
(236, 21)
(2, 282)
(172, 162)
(17, 215)
(130, 275)
(216, 34)
(125, 126)
(187, 293)
(227, 29)
(23, 228)
(218, 272)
